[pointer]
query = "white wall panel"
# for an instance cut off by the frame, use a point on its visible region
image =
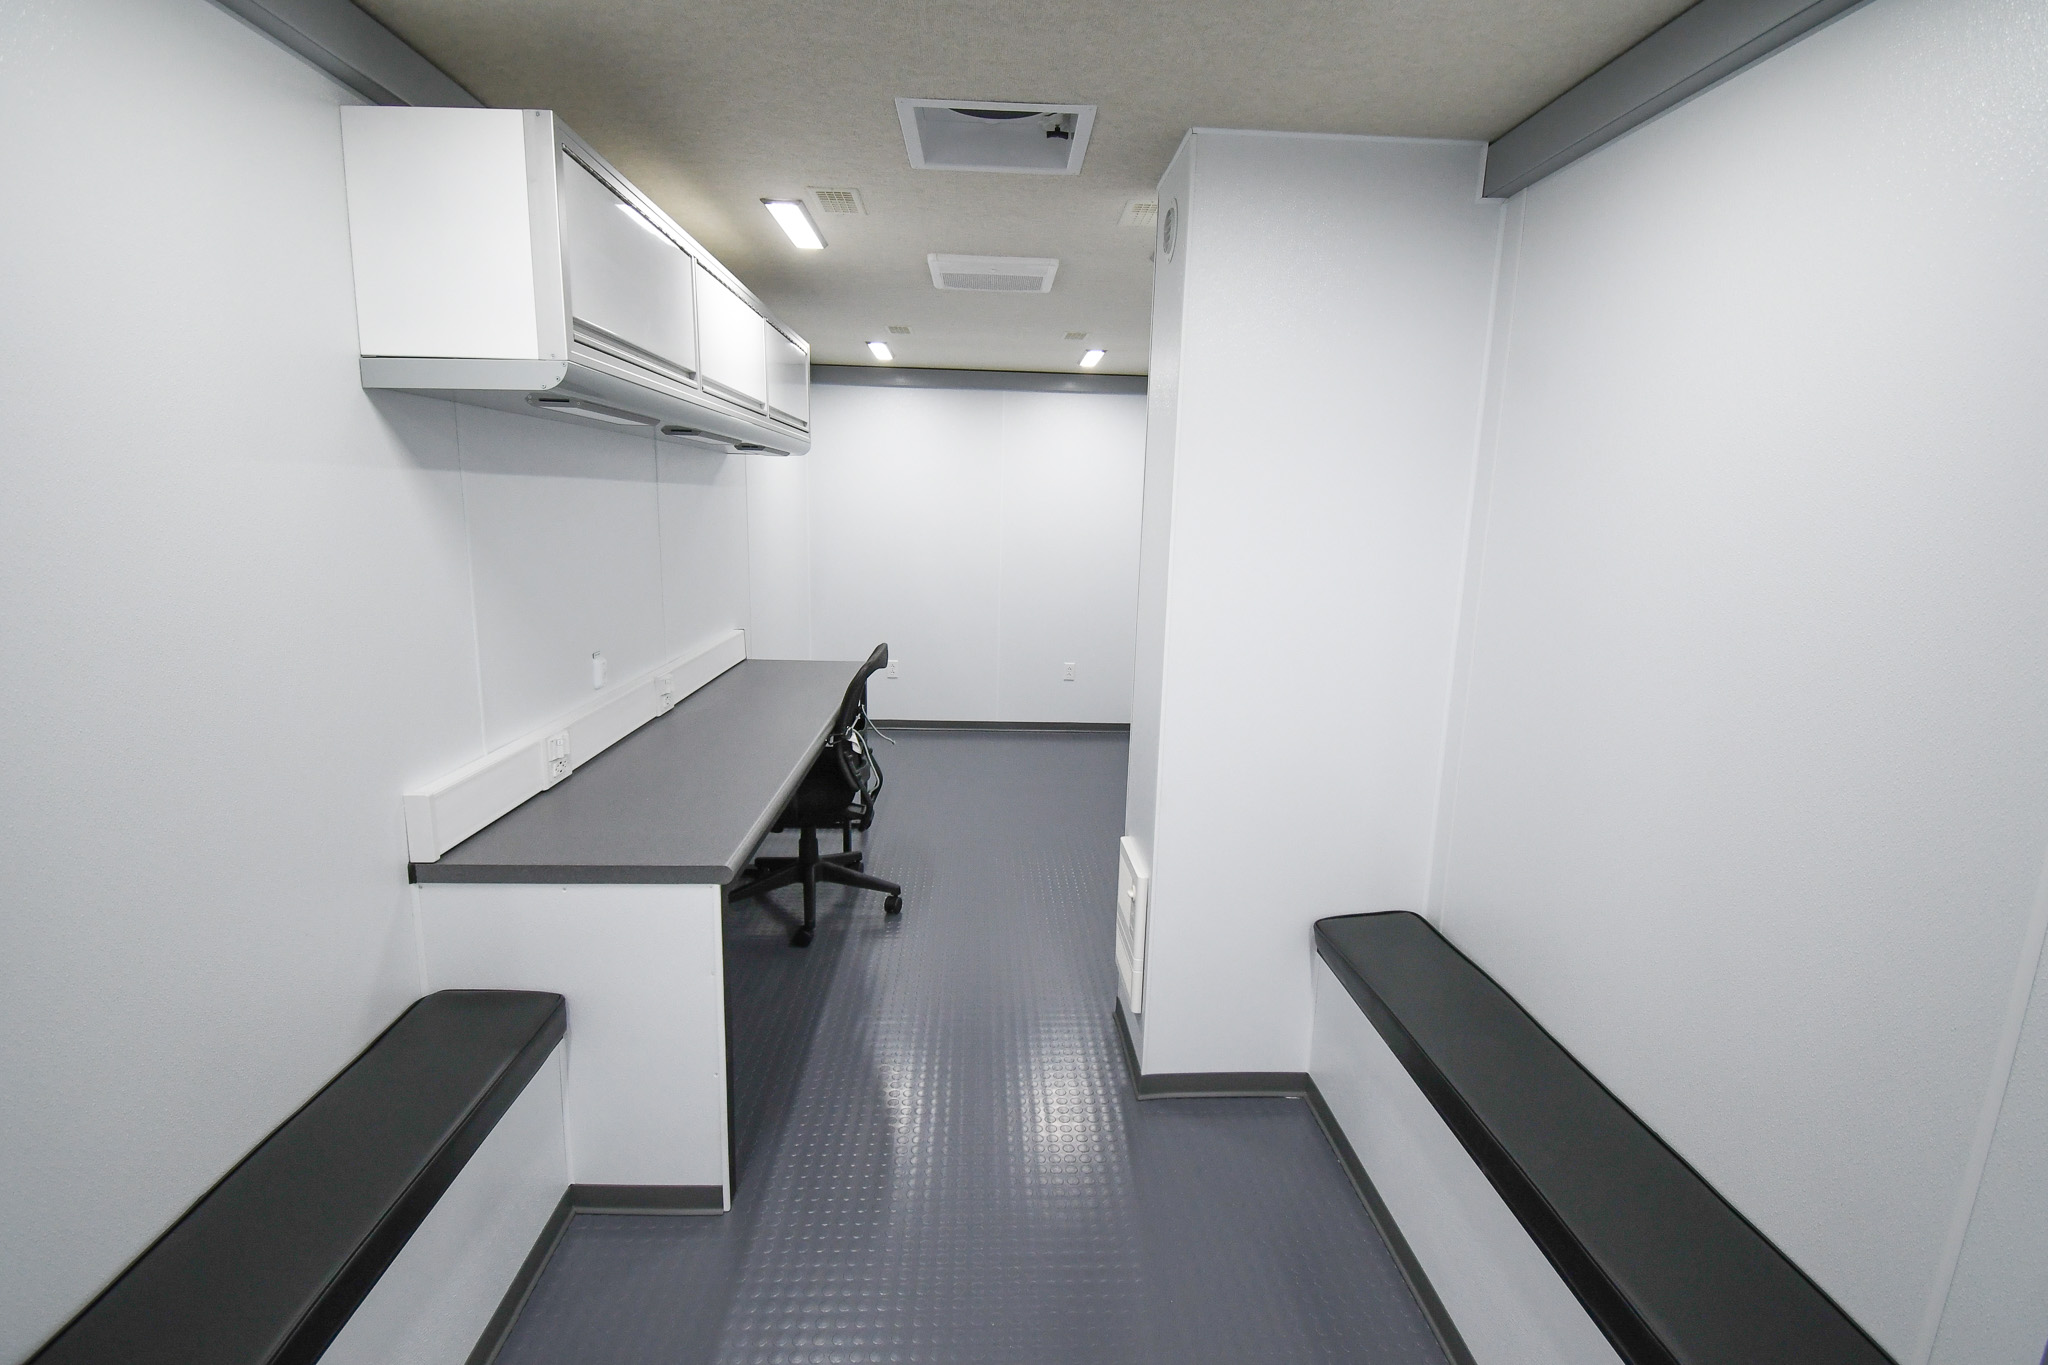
(904, 546)
(990, 537)
(240, 619)
(1301, 623)
(236, 619)
(565, 533)
(703, 545)
(1751, 793)
(1071, 482)
(778, 557)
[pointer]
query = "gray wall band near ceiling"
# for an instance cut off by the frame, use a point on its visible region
(1014, 381)
(1707, 43)
(355, 49)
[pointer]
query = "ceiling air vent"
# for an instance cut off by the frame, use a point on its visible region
(838, 201)
(994, 274)
(1139, 213)
(984, 135)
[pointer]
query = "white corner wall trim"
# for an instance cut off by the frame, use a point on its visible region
(355, 49)
(443, 813)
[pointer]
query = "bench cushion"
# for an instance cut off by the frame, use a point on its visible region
(1665, 1266)
(269, 1264)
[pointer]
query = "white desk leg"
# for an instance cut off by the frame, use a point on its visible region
(643, 968)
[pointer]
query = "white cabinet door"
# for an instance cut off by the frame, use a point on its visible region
(789, 378)
(627, 279)
(732, 339)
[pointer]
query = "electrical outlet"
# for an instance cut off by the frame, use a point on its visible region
(600, 669)
(1067, 672)
(665, 689)
(557, 752)
(890, 671)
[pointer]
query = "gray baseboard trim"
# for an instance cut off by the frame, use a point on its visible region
(1300, 1085)
(1390, 1232)
(657, 1199)
(1183, 1085)
(499, 1328)
(1012, 381)
(1086, 726)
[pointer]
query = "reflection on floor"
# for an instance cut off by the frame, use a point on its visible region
(940, 1156)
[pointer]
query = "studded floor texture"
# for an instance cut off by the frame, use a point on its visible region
(941, 1158)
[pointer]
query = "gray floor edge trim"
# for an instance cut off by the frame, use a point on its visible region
(1191, 1085)
(1447, 1334)
(1106, 727)
(499, 1328)
(647, 1199)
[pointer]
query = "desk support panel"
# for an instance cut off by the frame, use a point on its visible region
(643, 970)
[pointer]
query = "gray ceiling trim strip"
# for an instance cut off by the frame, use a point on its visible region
(1707, 43)
(355, 49)
(1014, 381)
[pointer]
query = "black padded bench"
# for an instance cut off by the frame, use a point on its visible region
(270, 1263)
(1666, 1268)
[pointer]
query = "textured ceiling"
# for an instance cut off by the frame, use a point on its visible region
(710, 107)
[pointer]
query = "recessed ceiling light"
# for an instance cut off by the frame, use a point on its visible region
(1090, 359)
(880, 350)
(796, 221)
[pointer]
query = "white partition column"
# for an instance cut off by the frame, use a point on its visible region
(1320, 325)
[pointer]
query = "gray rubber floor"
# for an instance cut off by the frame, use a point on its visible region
(940, 1155)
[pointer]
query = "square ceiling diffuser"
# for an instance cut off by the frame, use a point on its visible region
(994, 274)
(984, 135)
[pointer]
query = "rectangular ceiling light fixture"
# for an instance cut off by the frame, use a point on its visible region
(1091, 358)
(986, 135)
(994, 274)
(796, 222)
(880, 351)
(1139, 213)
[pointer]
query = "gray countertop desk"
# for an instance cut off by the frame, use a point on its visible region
(685, 798)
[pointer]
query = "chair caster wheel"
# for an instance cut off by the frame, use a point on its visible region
(893, 906)
(800, 939)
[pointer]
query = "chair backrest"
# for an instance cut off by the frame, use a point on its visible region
(853, 710)
(849, 742)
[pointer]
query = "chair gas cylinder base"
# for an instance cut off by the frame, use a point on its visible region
(839, 793)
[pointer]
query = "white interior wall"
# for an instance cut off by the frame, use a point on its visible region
(990, 537)
(244, 603)
(1751, 784)
(779, 556)
(1320, 344)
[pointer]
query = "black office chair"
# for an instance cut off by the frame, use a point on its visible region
(838, 792)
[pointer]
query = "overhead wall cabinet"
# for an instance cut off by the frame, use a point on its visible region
(500, 261)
